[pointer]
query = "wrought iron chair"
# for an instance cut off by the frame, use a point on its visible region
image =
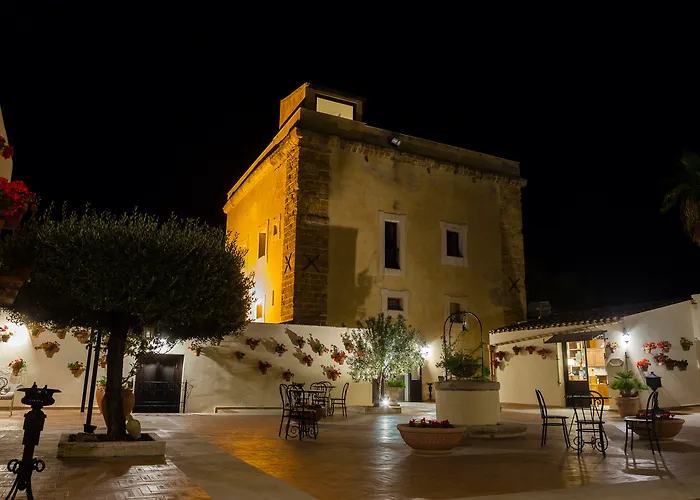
(321, 398)
(341, 401)
(7, 392)
(551, 421)
(649, 421)
(302, 419)
(588, 413)
(286, 410)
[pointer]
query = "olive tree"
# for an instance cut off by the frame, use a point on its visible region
(123, 273)
(383, 347)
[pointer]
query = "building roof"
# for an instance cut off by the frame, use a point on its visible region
(590, 317)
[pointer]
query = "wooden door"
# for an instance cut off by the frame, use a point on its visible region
(159, 383)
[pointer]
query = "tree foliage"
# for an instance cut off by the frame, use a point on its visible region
(383, 348)
(121, 274)
(685, 194)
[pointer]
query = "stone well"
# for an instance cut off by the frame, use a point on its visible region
(468, 402)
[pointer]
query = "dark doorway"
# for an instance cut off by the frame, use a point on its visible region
(159, 383)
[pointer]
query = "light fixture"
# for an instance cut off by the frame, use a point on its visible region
(465, 325)
(395, 142)
(625, 335)
(385, 401)
(425, 352)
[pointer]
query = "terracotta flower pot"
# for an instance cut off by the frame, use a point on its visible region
(83, 338)
(61, 334)
(15, 371)
(431, 441)
(128, 401)
(5, 338)
(50, 352)
(76, 371)
(627, 407)
(666, 428)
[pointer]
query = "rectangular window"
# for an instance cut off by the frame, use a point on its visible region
(258, 311)
(394, 304)
(391, 245)
(454, 244)
(455, 307)
(335, 107)
(262, 244)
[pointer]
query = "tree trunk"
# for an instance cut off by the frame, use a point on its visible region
(116, 428)
(381, 381)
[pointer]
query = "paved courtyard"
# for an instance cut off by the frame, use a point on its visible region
(238, 455)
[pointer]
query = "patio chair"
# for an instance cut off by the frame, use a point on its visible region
(341, 401)
(551, 421)
(285, 405)
(321, 399)
(302, 420)
(649, 421)
(588, 413)
(7, 392)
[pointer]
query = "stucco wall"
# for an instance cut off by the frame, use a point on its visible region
(216, 378)
(5, 165)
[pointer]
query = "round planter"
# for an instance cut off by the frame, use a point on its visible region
(627, 407)
(394, 393)
(431, 441)
(128, 401)
(666, 429)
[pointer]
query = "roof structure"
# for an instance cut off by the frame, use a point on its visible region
(590, 317)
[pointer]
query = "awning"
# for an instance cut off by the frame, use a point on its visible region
(575, 336)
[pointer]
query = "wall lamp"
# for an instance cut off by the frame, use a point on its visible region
(395, 142)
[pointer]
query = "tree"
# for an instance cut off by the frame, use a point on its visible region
(383, 348)
(685, 194)
(121, 274)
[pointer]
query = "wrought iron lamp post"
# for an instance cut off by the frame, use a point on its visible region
(461, 317)
(37, 398)
(654, 383)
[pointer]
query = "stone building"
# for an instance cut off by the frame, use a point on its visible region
(343, 220)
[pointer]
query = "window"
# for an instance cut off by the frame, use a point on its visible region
(392, 254)
(262, 244)
(455, 304)
(394, 302)
(454, 244)
(335, 107)
(455, 307)
(258, 312)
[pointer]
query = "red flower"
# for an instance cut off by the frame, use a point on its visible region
(8, 152)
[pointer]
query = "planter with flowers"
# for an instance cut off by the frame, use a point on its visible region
(530, 349)
(665, 345)
(103, 361)
(682, 364)
(6, 151)
(544, 352)
(239, 355)
(307, 359)
(5, 333)
(686, 344)
(81, 334)
(76, 368)
(263, 366)
(280, 349)
(349, 346)
(317, 346)
(517, 349)
(299, 342)
(196, 348)
(649, 346)
(338, 356)
(643, 364)
(612, 346)
(16, 365)
(15, 201)
(287, 375)
(669, 363)
(500, 355)
(331, 372)
(666, 425)
(35, 329)
(660, 358)
(252, 342)
(431, 437)
(49, 347)
(60, 333)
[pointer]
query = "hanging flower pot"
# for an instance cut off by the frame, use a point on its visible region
(263, 366)
(307, 359)
(252, 342)
(299, 342)
(35, 329)
(280, 349)
(82, 335)
(76, 368)
(649, 346)
(612, 346)
(103, 361)
(500, 355)
(530, 349)
(349, 346)
(643, 364)
(686, 344)
(287, 375)
(17, 365)
(60, 333)
(682, 364)
(317, 346)
(331, 372)
(239, 355)
(670, 363)
(544, 352)
(50, 348)
(660, 358)
(517, 349)
(5, 333)
(665, 345)
(196, 348)
(338, 356)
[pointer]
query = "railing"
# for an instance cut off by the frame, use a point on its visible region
(165, 397)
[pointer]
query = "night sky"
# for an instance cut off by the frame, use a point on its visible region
(164, 111)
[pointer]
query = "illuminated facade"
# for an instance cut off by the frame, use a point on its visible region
(342, 220)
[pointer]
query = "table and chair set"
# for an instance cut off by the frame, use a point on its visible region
(304, 408)
(587, 416)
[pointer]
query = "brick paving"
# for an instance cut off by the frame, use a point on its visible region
(239, 455)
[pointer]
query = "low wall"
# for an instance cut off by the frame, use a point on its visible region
(216, 377)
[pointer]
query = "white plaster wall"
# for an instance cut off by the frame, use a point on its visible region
(216, 377)
(5, 165)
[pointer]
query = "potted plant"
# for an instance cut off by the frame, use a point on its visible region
(103, 361)
(643, 364)
(239, 355)
(5, 333)
(349, 346)
(682, 364)
(60, 333)
(263, 366)
(500, 355)
(49, 347)
(670, 363)
(612, 346)
(280, 349)
(76, 368)
(660, 358)
(307, 359)
(517, 349)
(629, 387)
(686, 344)
(300, 342)
(6, 151)
(196, 348)
(338, 356)
(665, 345)
(81, 334)
(317, 346)
(252, 342)
(16, 365)
(431, 437)
(127, 396)
(394, 388)
(331, 372)
(649, 346)
(15, 198)
(544, 352)
(34, 329)
(287, 375)
(460, 365)
(666, 425)
(530, 349)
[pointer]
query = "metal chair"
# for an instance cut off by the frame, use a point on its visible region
(551, 421)
(341, 401)
(649, 421)
(286, 410)
(7, 392)
(302, 418)
(324, 398)
(588, 413)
